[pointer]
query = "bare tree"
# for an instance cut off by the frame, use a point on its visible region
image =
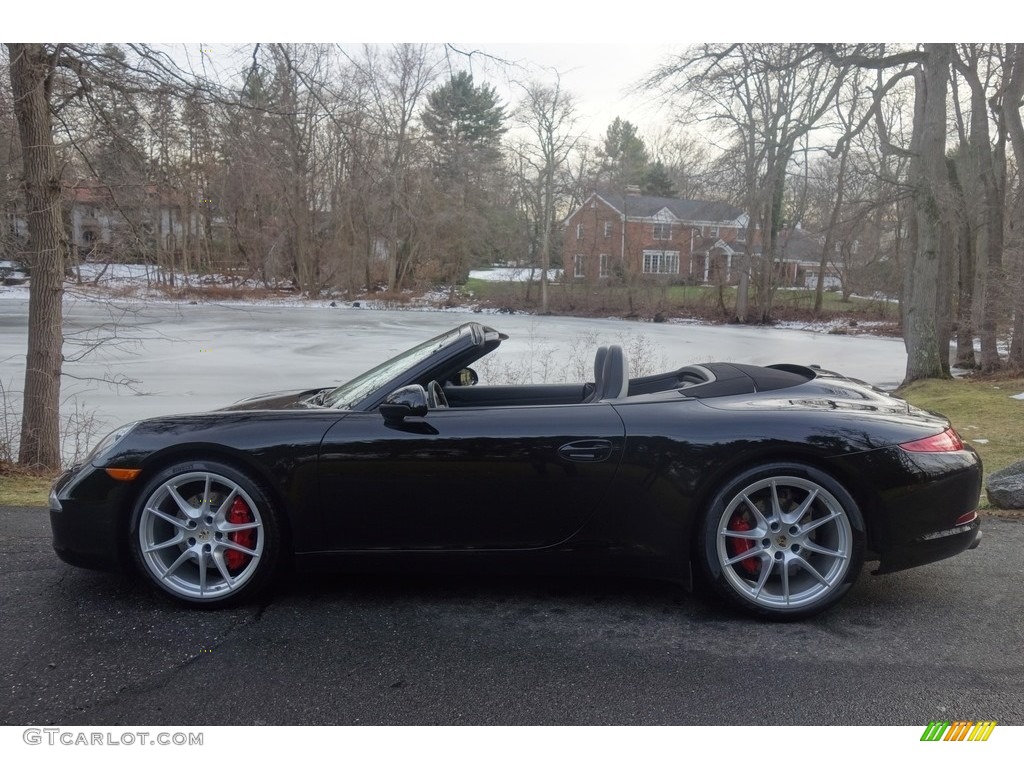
(33, 69)
(46, 80)
(847, 114)
(768, 97)
(983, 167)
(1008, 109)
(396, 82)
(689, 162)
(548, 113)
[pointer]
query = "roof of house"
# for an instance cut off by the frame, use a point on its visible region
(90, 192)
(799, 245)
(684, 210)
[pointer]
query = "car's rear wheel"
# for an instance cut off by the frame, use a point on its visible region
(205, 533)
(782, 541)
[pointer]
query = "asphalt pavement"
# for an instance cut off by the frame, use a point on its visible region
(941, 642)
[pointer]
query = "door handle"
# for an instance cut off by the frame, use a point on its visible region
(586, 450)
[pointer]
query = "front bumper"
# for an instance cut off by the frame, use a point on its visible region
(88, 519)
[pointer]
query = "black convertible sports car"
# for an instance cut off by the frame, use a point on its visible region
(773, 485)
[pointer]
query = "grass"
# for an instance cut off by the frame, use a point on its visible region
(980, 409)
(24, 488)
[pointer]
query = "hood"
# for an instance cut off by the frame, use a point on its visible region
(276, 401)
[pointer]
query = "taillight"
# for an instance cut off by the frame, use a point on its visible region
(967, 518)
(944, 441)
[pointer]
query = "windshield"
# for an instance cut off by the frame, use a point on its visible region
(352, 392)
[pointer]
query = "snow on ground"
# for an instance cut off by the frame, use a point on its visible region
(837, 326)
(14, 292)
(512, 274)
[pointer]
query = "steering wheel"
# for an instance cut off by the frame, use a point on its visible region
(435, 396)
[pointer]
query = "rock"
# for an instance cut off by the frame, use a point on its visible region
(1006, 487)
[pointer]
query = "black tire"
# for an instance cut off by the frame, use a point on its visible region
(206, 533)
(777, 561)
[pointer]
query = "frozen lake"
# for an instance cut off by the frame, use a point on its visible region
(185, 358)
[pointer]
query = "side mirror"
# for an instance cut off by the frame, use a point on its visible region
(467, 377)
(403, 403)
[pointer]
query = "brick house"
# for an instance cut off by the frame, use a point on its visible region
(103, 218)
(691, 241)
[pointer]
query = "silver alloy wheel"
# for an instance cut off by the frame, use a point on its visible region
(184, 536)
(784, 542)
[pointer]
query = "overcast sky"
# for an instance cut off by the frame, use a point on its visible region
(599, 51)
(601, 76)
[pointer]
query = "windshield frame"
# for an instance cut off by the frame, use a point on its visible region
(405, 368)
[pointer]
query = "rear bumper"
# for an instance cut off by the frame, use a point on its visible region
(917, 503)
(931, 547)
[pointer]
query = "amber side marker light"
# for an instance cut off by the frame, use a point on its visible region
(944, 441)
(123, 474)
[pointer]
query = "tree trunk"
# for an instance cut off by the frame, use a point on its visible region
(928, 181)
(545, 242)
(1014, 93)
(991, 163)
(40, 425)
(965, 357)
(1016, 357)
(830, 234)
(944, 295)
(743, 286)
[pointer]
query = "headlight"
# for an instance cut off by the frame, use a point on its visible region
(108, 442)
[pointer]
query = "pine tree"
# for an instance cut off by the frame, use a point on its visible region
(655, 181)
(624, 154)
(465, 123)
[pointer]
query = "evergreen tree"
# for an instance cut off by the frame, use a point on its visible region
(624, 155)
(655, 181)
(465, 123)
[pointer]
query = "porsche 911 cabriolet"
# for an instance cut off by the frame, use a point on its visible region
(770, 485)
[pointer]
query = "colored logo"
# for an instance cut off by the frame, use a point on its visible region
(958, 730)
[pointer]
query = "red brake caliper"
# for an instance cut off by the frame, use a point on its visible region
(751, 565)
(239, 513)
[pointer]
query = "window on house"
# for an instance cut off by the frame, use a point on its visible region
(741, 235)
(604, 265)
(662, 231)
(661, 262)
(607, 229)
(714, 231)
(577, 266)
(579, 231)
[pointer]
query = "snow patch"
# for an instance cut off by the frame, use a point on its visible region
(513, 274)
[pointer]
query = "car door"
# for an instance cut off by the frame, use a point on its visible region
(467, 478)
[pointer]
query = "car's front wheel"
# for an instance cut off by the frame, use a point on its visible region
(782, 541)
(205, 533)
